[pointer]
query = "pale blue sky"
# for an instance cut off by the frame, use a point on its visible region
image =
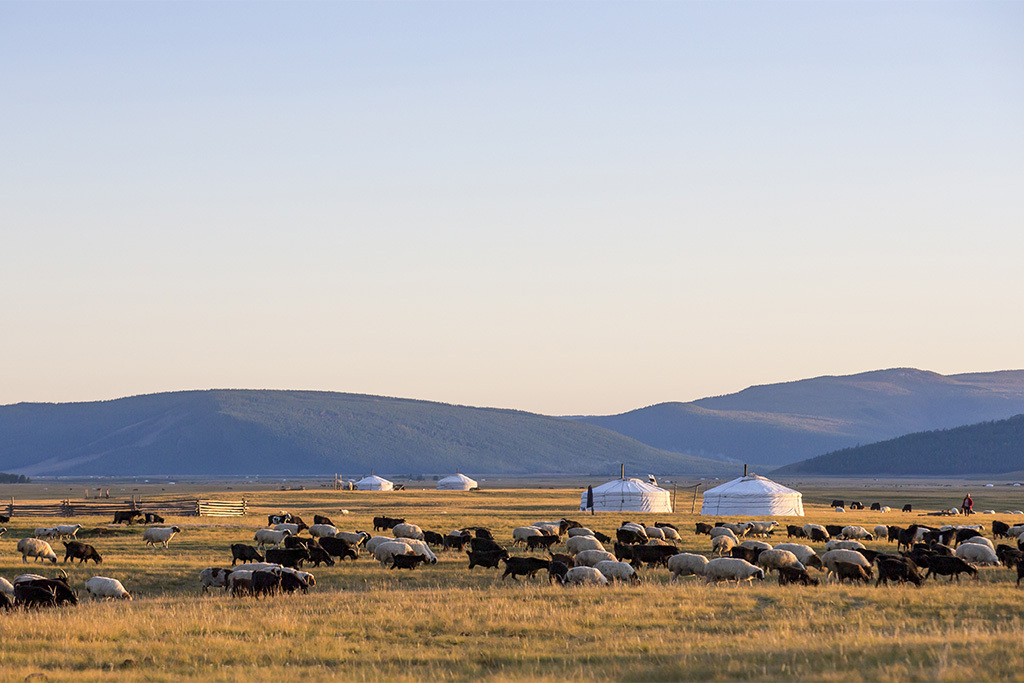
(569, 207)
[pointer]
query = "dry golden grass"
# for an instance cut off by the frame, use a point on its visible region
(445, 622)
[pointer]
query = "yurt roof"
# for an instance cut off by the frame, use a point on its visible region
(751, 485)
(372, 479)
(617, 485)
(457, 477)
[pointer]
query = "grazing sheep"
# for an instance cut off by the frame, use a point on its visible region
(976, 553)
(881, 532)
(154, 535)
(521, 533)
(6, 586)
(584, 575)
(385, 551)
(738, 530)
(654, 532)
(843, 545)
(291, 527)
(580, 531)
(670, 533)
(949, 566)
(686, 564)
(856, 533)
(848, 571)
(805, 555)
(981, 540)
(552, 528)
(44, 532)
(721, 545)
(38, 549)
(66, 530)
(617, 571)
(816, 531)
(76, 550)
(724, 531)
(589, 558)
(265, 537)
(886, 508)
(106, 588)
(832, 557)
(356, 538)
(577, 544)
(731, 569)
(214, 577)
(421, 548)
(1015, 531)
(774, 559)
(321, 530)
(375, 541)
(406, 530)
(798, 575)
(762, 529)
(756, 545)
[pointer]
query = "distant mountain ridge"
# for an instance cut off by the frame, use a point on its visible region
(778, 424)
(302, 432)
(987, 448)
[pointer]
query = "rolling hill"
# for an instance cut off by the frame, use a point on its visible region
(986, 448)
(779, 424)
(224, 432)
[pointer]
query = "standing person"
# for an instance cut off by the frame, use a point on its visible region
(590, 499)
(968, 505)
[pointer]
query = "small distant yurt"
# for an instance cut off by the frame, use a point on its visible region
(752, 496)
(456, 482)
(374, 483)
(628, 495)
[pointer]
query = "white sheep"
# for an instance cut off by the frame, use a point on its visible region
(405, 530)
(237, 575)
(38, 549)
(977, 553)
(6, 586)
(421, 548)
(106, 588)
(843, 545)
(214, 577)
(886, 508)
(655, 532)
(634, 526)
(670, 533)
(980, 540)
(589, 558)
(323, 531)
(584, 575)
(552, 528)
(804, 554)
(761, 528)
(386, 551)
(731, 569)
(577, 544)
(720, 545)
(356, 538)
(808, 528)
(375, 541)
(1015, 531)
(521, 533)
(856, 533)
(580, 531)
(839, 509)
(881, 532)
(738, 530)
(154, 535)
(44, 532)
(272, 537)
(293, 529)
(831, 557)
(617, 571)
(67, 530)
(773, 559)
(686, 564)
(756, 545)
(723, 531)
(246, 570)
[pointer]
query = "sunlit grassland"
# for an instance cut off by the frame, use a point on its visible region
(443, 621)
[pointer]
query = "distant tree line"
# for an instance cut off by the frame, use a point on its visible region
(13, 478)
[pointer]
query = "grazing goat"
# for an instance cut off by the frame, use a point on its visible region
(76, 550)
(523, 566)
(127, 516)
(406, 561)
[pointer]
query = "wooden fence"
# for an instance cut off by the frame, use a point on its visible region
(182, 507)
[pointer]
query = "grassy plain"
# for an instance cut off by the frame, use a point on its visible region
(445, 622)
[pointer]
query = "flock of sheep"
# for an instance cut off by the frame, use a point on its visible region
(739, 552)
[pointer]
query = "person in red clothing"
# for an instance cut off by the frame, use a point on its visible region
(968, 505)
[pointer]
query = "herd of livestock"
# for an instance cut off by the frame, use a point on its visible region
(570, 553)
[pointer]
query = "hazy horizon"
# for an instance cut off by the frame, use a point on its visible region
(562, 208)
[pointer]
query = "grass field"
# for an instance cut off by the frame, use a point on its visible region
(445, 622)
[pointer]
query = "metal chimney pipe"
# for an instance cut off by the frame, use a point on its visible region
(622, 473)
(744, 470)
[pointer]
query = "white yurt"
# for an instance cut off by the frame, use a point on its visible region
(752, 496)
(456, 482)
(628, 495)
(374, 483)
